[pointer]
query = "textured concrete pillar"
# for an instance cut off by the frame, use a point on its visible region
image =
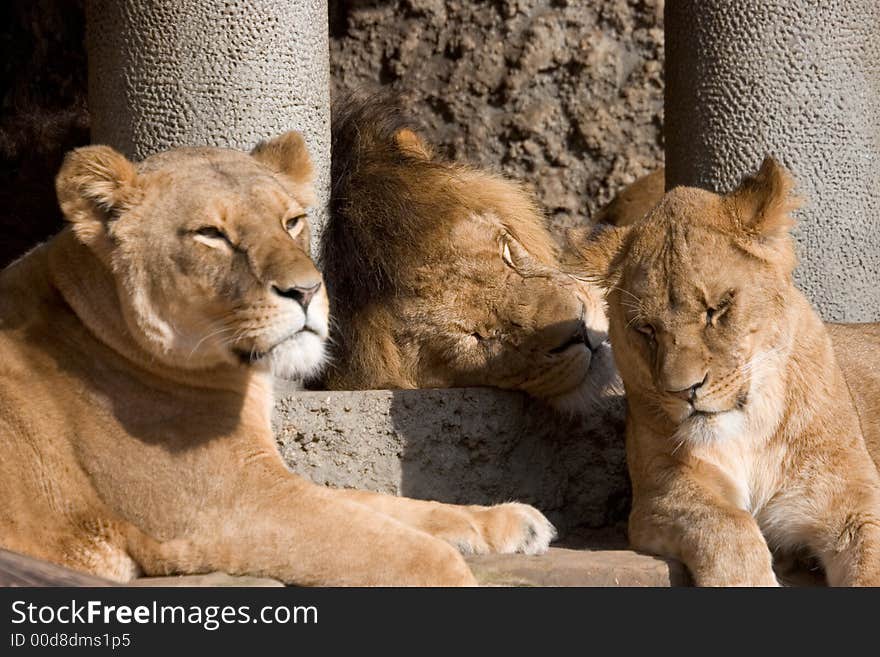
(166, 73)
(798, 79)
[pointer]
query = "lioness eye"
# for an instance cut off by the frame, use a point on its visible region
(647, 330)
(714, 314)
(294, 225)
(212, 232)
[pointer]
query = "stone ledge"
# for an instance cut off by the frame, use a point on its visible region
(208, 579)
(566, 567)
(467, 445)
(22, 570)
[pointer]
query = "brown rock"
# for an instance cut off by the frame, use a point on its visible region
(567, 96)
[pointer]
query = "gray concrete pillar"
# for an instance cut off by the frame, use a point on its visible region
(166, 73)
(798, 79)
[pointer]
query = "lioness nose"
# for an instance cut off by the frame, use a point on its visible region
(690, 393)
(303, 295)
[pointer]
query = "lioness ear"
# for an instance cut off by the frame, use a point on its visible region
(762, 207)
(763, 203)
(412, 144)
(594, 254)
(95, 184)
(287, 154)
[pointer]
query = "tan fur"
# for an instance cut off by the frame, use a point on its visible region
(445, 275)
(136, 351)
(744, 435)
(634, 201)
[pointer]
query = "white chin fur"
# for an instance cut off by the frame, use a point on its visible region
(299, 357)
(601, 383)
(706, 429)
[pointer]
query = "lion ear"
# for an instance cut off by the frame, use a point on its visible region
(95, 185)
(287, 155)
(595, 254)
(763, 203)
(412, 144)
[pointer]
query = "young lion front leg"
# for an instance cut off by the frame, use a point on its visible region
(720, 544)
(504, 528)
(851, 554)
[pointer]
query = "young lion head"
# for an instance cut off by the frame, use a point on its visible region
(444, 275)
(209, 250)
(696, 294)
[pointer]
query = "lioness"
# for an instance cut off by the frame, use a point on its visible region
(444, 275)
(743, 431)
(136, 350)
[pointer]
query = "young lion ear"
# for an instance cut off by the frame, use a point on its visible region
(95, 185)
(287, 154)
(593, 254)
(763, 203)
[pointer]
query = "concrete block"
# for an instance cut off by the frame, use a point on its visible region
(798, 79)
(470, 445)
(169, 73)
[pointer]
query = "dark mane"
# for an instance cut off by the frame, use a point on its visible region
(384, 201)
(395, 211)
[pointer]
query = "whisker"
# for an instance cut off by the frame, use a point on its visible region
(620, 289)
(207, 336)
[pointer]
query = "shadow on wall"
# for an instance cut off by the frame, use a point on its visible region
(468, 445)
(482, 446)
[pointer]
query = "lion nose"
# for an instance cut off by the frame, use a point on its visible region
(689, 394)
(302, 295)
(594, 339)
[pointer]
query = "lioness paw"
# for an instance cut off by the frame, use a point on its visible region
(515, 527)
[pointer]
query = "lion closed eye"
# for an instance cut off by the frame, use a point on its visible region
(446, 275)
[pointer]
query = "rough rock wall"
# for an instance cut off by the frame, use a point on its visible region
(42, 114)
(566, 95)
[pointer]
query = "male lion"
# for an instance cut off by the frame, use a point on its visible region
(136, 387)
(444, 275)
(745, 431)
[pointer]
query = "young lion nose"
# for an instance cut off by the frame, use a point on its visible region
(690, 393)
(302, 295)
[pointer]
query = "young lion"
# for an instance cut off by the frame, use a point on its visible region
(743, 432)
(136, 387)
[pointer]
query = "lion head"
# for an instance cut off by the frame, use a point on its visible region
(696, 299)
(445, 275)
(209, 251)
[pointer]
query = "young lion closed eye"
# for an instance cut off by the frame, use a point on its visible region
(746, 433)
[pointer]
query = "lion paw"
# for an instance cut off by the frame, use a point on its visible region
(515, 527)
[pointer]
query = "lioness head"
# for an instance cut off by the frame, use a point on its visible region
(445, 275)
(209, 249)
(696, 294)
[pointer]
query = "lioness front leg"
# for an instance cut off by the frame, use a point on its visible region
(720, 544)
(305, 534)
(472, 529)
